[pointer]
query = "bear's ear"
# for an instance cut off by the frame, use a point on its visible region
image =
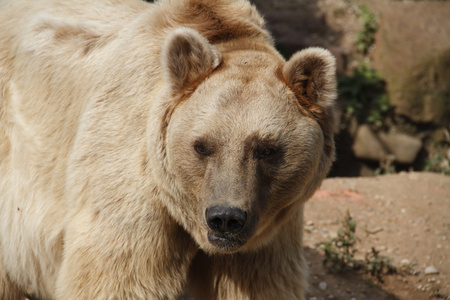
(311, 73)
(186, 57)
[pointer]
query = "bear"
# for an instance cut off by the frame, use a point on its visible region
(156, 151)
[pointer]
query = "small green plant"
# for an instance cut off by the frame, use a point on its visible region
(365, 38)
(380, 108)
(439, 158)
(364, 95)
(377, 265)
(387, 166)
(437, 162)
(364, 92)
(340, 253)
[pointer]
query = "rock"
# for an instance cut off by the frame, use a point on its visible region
(405, 262)
(370, 145)
(431, 270)
(415, 66)
(310, 223)
(367, 145)
(323, 286)
(404, 147)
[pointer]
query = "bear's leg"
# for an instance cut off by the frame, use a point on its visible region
(124, 258)
(276, 271)
(8, 289)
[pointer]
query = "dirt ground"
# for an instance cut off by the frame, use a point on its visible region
(405, 216)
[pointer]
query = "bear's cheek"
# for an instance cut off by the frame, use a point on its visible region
(279, 190)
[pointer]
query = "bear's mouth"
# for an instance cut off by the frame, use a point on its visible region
(225, 242)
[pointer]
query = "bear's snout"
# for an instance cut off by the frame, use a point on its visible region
(222, 219)
(229, 227)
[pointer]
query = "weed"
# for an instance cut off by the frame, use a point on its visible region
(364, 95)
(364, 92)
(439, 157)
(438, 162)
(387, 166)
(365, 38)
(340, 253)
(377, 265)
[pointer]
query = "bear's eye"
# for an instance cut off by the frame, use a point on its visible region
(266, 153)
(202, 149)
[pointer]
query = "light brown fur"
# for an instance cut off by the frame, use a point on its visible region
(121, 122)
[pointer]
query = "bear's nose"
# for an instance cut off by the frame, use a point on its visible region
(223, 219)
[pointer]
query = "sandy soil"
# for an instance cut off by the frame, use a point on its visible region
(405, 216)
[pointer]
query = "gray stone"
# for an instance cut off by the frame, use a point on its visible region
(367, 145)
(323, 286)
(431, 270)
(405, 262)
(404, 147)
(375, 146)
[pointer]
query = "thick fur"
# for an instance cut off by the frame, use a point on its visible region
(121, 122)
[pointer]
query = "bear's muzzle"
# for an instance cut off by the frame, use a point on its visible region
(230, 227)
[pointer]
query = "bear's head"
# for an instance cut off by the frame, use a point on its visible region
(245, 137)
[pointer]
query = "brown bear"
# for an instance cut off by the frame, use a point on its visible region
(156, 151)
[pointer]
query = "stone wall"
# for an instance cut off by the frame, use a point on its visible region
(413, 54)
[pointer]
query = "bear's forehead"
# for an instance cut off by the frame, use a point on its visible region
(247, 90)
(238, 107)
(249, 74)
(251, 59)
(240, 91)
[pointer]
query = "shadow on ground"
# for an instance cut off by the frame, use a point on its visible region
(343, 286)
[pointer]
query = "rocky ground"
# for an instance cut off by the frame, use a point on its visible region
(404, 216)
